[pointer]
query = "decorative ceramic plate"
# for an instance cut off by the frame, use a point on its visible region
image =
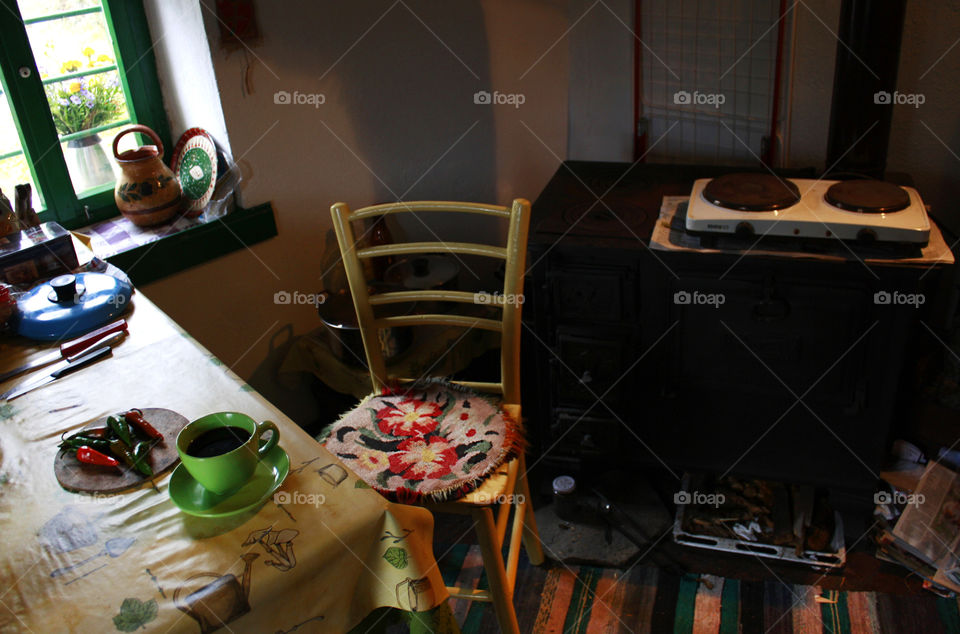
(194, 162)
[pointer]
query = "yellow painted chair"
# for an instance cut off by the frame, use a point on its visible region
(505, 491)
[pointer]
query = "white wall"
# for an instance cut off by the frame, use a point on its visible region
(399, 98)
(397, 101)
(805, 112)
(601, 81)
(185, 69)
(925, 141)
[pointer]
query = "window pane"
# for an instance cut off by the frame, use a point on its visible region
(37, 8)
(14, 169)
(70, 45)
(87, 103)
(79, 50)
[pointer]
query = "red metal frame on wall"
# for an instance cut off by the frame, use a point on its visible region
(640, 139)
(775, 110)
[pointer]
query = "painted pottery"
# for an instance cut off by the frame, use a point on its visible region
(147, 193)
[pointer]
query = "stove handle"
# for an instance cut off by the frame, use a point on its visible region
(770, 310)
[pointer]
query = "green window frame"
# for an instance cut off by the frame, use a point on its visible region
(136, 66)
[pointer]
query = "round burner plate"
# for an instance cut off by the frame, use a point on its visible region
(751, 192)
(867, 196)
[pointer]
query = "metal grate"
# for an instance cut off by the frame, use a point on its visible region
(708, 70)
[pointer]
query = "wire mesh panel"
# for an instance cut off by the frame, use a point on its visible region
(707, 69)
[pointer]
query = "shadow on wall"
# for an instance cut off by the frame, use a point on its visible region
(407, 87)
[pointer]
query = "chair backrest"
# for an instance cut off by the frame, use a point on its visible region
(509, 303)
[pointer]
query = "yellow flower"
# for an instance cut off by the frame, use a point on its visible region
(75, 87)
(103, 58)
(87, 51)
(70, 67)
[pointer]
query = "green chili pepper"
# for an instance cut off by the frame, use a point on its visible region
(141, 452)
(80, 440)
(121, 450)
(120, 428)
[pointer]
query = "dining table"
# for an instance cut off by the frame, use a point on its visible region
(318, 554)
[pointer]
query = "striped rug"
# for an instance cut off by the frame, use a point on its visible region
(571, 600)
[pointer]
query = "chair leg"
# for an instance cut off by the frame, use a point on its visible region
(496, 575)
(531, 536)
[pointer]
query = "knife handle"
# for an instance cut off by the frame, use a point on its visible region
(72, 347)
(109, 340)
(85, 360)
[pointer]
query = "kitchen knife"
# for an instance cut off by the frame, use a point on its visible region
(63, 370)
(68, 349)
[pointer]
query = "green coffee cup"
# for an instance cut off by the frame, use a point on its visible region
(221, 450)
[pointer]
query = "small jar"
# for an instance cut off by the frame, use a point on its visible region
(564, 497)
(8, 217)
(7, 305)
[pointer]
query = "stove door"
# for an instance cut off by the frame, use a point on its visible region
(770, 339)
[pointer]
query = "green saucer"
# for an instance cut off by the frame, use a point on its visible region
(190, 496)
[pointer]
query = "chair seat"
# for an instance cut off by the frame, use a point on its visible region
(436, 442)
(492, 490)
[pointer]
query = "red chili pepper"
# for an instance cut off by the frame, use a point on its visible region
(92, 456)
(135, 417)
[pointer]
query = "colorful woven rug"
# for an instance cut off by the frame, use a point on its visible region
(437, 441)
(578, 600)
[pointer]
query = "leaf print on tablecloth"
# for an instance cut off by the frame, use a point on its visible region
(397, 557)
(135, 614)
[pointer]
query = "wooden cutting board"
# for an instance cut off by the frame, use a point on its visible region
(77, 476)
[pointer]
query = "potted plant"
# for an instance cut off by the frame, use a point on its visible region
(81, 104)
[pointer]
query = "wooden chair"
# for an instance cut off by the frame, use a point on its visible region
(507, 489)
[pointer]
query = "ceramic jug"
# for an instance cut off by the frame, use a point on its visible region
(147, 193)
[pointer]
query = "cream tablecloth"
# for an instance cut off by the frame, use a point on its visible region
(319, 563)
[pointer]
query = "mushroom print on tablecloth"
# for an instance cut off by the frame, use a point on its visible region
(278, 544)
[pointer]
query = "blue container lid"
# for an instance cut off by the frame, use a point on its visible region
(70, 305)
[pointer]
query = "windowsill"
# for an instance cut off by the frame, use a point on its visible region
(151, 253)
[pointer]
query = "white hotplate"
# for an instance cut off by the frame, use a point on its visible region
(811, 217)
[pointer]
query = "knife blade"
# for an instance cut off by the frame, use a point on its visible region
(63, 370)
(68, 349)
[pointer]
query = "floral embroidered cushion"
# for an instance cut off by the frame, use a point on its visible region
(436, 441)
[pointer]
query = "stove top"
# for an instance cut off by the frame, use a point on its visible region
(758, 205)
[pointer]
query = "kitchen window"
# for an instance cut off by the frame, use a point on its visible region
(73, 73)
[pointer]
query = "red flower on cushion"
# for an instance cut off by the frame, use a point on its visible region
(373, 460)
(422, 458)
(410, 417)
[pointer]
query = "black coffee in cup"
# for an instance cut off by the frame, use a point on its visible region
(217, 441)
